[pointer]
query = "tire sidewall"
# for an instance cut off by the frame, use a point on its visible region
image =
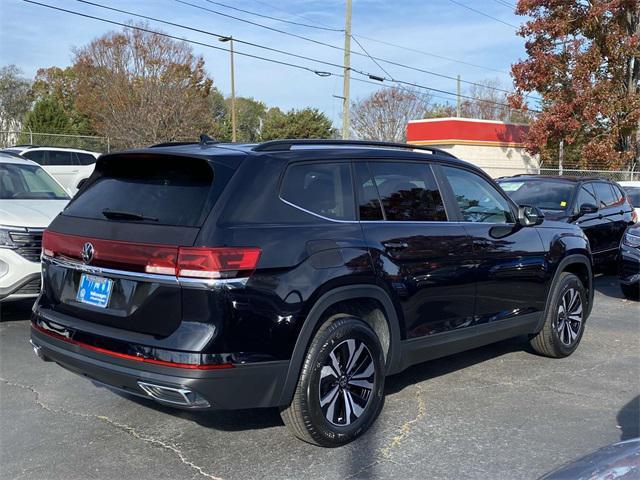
(343, 329)
(570, 281)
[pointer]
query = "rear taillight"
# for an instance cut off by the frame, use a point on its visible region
(193, 262)
(137, 257)
(223, 262)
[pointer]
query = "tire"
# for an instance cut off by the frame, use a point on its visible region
(564, 320)
(632, 291)
(323, 392)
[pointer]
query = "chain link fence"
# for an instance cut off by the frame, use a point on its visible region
(497, 171)
(83, 142)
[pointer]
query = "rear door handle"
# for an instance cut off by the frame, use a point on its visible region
(395, 245)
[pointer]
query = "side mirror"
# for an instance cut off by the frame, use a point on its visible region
(587, 208)
(529, 216)
(81, 183)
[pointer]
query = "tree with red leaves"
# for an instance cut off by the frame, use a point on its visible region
(584, 60)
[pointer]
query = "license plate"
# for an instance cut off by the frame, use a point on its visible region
(94, 291)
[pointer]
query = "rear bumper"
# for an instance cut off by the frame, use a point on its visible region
(244, 386)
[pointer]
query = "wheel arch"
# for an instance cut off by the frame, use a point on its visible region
(580, 265)
(327, 305)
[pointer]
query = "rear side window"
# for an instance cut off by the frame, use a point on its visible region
(61, 158)
(479, 201)
(159, 190)
(37, 156)
(325, 189)
(606, 197)
(407, 191)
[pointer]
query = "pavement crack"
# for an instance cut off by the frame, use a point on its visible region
(405, 429)
(120, 426)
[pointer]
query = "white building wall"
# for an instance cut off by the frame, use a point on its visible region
(497, 161)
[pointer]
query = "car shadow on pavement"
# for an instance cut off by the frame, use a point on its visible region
(445, 365)
(225, 420)
(259, 418)
(15, 310)
(629, 419)
(608, 285)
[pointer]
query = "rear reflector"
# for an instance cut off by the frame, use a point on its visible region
(194, 262)
(135, 358)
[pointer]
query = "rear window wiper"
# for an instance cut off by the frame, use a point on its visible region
(124, 215)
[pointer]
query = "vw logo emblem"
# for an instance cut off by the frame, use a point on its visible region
(87, 252)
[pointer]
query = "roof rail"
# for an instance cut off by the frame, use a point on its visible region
(283, 145)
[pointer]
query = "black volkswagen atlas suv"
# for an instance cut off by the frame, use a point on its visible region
(297, 274)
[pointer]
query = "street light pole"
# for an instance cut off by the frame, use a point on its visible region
(233, 89)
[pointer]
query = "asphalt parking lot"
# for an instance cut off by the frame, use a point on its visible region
(498, 412)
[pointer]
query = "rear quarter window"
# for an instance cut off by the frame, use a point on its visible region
(166, 190)
(85, 158)
(324, 189)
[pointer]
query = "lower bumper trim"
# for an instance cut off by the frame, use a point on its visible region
(252, 385)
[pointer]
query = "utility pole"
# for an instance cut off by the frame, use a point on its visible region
(347, 72)
(233, 88)
(458, 102)
(560, 157)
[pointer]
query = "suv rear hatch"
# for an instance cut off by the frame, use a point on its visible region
(114, 255)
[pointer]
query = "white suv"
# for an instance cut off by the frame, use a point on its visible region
(29, 200)
(67, 165)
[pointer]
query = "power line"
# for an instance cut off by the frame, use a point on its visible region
(506, 4)
(479, 12)
(174, 37)
(361, 36)
(335, 47)
(257, 57)
(372, 59)
(275, 18)
(428, 54)
(218, 35)
(270, 5)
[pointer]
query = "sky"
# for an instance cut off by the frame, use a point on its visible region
(32, 37)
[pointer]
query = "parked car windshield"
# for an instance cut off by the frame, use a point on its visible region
(28, 182)
(634, 195)
(544, 194)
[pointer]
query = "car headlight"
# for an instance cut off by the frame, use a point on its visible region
(631, 240)
(5, 238)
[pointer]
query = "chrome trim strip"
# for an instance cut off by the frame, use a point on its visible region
(315, 214)
(382, 222)
(212, 283)
(196, 283)
(109, 272)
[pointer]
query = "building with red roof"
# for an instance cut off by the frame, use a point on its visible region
(497, 147)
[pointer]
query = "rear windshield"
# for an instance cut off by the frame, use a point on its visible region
(544, 194)
(151, 189)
